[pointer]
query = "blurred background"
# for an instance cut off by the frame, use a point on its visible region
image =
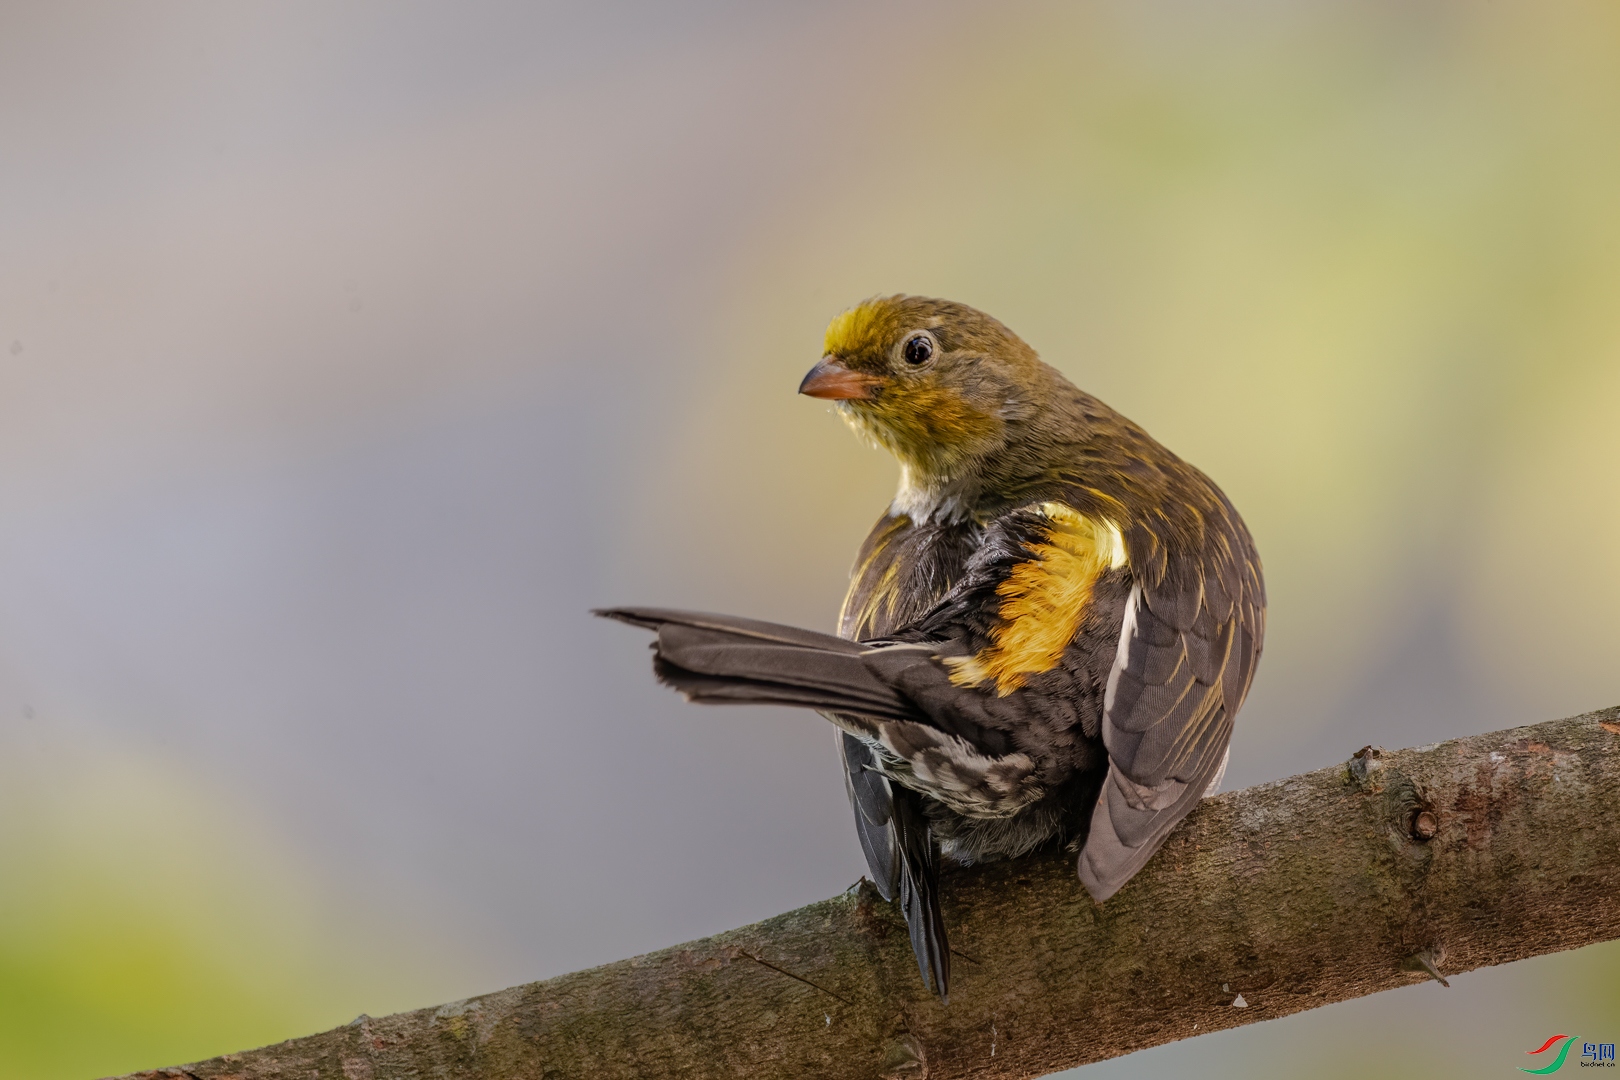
(349, 353)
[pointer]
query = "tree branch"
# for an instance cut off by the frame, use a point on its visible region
(1392, 868)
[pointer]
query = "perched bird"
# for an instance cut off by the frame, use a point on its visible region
(1046, 637)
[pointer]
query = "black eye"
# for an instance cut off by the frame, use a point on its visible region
(918, 349)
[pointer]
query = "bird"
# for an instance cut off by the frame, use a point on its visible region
(1047, 635)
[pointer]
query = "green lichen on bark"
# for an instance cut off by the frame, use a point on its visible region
(1294, 894)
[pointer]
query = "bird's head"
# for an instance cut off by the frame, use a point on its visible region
(937, 384)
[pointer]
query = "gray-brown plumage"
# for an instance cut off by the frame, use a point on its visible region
(1046, 637)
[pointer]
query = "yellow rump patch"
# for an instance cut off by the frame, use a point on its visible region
(1043, 600)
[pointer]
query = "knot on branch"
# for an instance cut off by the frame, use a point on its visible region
(904, 1059)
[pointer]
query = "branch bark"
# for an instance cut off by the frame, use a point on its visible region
(1293, 894)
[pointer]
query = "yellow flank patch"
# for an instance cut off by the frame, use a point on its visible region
(1043, 600)
(855, 329)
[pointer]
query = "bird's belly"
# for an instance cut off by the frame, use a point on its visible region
(1061, 815)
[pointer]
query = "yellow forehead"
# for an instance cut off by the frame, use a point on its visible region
(857, 329)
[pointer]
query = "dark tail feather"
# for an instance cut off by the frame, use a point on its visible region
(657, 618)
(919, 894)
(722, 659)
(725, 659)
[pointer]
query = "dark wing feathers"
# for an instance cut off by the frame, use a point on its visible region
(919, 891)
(658, 618)
(721, 660)
(873, 799)
(1177, 600)
(1187, 651)
(916, 673)
(709, 660)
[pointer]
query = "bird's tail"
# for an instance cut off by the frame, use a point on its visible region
(723, 659)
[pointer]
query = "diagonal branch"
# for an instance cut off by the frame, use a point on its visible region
(1392, 868)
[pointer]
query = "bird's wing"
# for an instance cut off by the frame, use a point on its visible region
(1024, 619)
(872, 798)
(919, 892)
(1188, 647)
(893, 831)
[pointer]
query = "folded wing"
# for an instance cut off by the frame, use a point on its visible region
(1188, 647)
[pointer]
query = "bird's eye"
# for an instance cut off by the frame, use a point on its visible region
(919, 349)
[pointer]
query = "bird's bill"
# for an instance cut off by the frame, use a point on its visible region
(835, 382)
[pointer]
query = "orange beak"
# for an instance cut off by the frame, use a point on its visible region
(835, 382)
